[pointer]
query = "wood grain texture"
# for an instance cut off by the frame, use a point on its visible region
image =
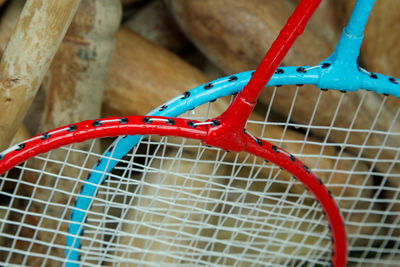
(39, 31)
(144, 75)
(235, 35)
(155, 23)
(74, 92)
(8, 20)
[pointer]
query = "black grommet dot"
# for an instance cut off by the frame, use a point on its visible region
(213, 100)
(111, 149)
(170, 122)
(343, 91)
(20, 146)
(385, 94)
(232, 78)
(1, 156)
(393, 80)
(292, 158)
(98, 163)
(301, 70)
(275, 148)
(191, 124)
(163, 107)
(258, 142)
(299, 84)
(324, 89)
(373, 75)
(279, 85)
(125, 136)
(97, 123)
(252, 73)
(147, 120)
(306, 168)
(319, 181)
(330, 194)
(326, 65)
(214, 123)
(279, 71)
(123, 120)
(45, 136)
(208, 86)
(185, 95)
(72, 128)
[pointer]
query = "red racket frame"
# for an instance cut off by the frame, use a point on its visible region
(225, 132)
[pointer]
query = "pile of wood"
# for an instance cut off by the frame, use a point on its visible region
(71, 60)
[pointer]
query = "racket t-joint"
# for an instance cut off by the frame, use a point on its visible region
(227, 130)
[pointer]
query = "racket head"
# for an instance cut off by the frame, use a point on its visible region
(186, 192)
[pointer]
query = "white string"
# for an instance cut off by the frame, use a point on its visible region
(174, 201)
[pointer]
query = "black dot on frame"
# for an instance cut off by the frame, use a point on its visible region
(232, 78)
(306, 169)
(373, 75)
(301, 70)
(123, 120)
(97, 123)
(45, 136)
(170, 122)
(185, 95)
(72, 128)
(20, 147)
(214, 123)
(326, 65)
(279, 71)
(208, 86)
(147, 120)
(191, 124)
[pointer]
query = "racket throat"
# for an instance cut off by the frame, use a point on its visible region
(229, 133)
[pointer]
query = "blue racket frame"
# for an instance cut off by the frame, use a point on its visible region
(339, 72)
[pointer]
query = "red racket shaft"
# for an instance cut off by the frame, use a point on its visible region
(233, 120)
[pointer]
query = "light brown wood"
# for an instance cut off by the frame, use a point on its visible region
(28, 55)
(8, 20)
(74, 92)
(155, 23)
(144, 75)
(235, 35)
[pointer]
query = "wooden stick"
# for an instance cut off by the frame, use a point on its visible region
(136, 85)
(8, 20)
(28, 55)
(2, 2)
(156, 24)
(74, 89)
